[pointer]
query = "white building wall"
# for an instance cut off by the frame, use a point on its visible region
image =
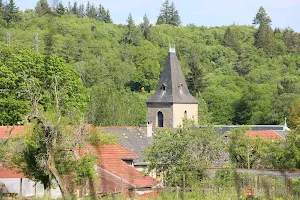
(179, 110)
(29, 188)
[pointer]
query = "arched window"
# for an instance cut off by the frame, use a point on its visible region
(160, 119)
(185, 115)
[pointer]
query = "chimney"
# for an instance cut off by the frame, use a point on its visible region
(149, 129)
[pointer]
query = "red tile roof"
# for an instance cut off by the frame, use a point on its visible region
(11, 131)
(267, 135)
(110, 159)
(10, 173)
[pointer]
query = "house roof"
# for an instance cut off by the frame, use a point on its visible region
(133, 139)
(11, 131)
(172, 87)
(267, 135)
(110, 159)
(10, 173)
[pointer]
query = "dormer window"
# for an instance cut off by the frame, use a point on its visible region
(180, 87)
(163, 87)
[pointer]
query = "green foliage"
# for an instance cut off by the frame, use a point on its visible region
(184, 152)
(21, 68)
(42, 7)
(294, 115)
(113, 106)
(245, 151)
(261, 18)
(10, 12)
(96, 138)
(60, 9)
(145, 27)
(229, 65)
(168, 14)
(132, 35)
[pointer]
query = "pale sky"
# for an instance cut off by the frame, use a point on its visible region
(284, 13)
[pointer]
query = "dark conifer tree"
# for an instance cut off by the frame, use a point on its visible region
(60, 9)
(75, 9)
(168, 14)
(174, 15)
(42, 7)
(263, 35)
(107, 18)
(10, 12)
(81, 11)
(231, 38)
(145, 26)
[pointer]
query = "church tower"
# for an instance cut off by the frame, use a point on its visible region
(172, 102)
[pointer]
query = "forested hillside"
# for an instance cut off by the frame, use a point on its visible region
(240, 74)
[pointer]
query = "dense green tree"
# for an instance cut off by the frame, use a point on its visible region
(10, 13)
(294, 115)
(184, 152)
(75, 10)
(103, 15)
(264, 34)
(132, 35)
(91, 10)
(174, 15)
(60, 9)
(262, 18)
(168, 14)
(113, 106)
(17, 66)
(247, 152)
(231, 38)
(196, 74)
(81, 11)
(145, 26)
(42, 7)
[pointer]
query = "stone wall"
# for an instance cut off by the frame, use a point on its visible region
(165, 108)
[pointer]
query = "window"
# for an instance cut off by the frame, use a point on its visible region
(163, 87)
(160, 119)
(185, 115)
(180, 87)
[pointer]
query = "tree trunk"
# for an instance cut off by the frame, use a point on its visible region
(62, 187)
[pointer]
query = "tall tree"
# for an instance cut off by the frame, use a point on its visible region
(132, 35)
(263, 35)
(42, 7)
(103, 15)
(11, 12)
(81, 11)
(60, 9)
(262, 17)
(75, 9)
(231, 38)
(168, 14)
(91, 11)
(174, 15)
(145, 26)
(164, 17)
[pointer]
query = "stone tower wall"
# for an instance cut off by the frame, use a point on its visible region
(165, 108)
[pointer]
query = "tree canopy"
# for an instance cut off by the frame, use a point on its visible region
(244, 74)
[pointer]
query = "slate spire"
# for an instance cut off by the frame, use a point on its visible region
(172, 87)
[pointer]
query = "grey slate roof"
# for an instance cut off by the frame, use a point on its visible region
(176, 90)
(135, 138)
(132, 138)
